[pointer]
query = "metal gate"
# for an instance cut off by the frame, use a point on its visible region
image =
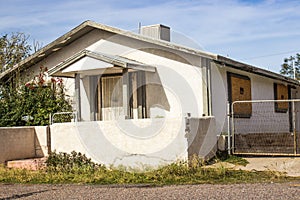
(265, 127)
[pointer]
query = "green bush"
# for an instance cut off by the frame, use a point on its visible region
(31, 104)
(73, 162)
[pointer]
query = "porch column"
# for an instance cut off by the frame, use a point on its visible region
(141, 94)
(125, 92)
(93, 97)
(77, 96)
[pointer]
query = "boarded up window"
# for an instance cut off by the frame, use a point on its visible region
(281, 93)
(239, 89)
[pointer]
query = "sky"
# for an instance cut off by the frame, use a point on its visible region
(258, 32)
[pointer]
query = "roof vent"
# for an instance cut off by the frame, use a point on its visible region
(157, 31)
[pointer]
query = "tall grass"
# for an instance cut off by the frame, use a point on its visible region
(76, 168)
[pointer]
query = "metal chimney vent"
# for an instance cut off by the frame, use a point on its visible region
(157, 31)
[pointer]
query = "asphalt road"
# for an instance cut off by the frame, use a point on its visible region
(236, 191)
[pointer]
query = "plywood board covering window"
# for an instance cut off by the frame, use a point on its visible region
(239, 89)
(281, 93)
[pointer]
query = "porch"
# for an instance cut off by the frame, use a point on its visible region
(109, 87)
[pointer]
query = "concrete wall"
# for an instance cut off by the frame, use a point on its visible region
(132, 143)
(140, 143)
(202, 137)
(22, 142)
(42, 136)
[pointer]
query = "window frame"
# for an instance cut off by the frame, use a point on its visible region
(230, 93)
(276, 104)
(141, 93)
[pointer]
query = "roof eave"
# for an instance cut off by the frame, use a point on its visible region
(255, 70)
(48, 49)
(105, 58)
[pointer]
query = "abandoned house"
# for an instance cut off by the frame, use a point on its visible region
(140, 99)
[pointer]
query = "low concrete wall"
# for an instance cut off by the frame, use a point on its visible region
(22, 142)
(42, 143)
(202, 137)
(139, 143)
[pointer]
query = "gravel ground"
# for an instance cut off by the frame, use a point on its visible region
(236, 191)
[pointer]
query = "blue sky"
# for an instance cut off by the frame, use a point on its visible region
(258, 32)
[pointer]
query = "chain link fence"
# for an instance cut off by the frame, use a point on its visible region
(266, 127)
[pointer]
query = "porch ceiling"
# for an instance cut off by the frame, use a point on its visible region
(92, 62)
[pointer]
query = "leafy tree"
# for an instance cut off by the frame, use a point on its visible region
(287, 68)
(13, 48)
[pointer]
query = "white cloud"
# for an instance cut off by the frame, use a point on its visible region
(222, 26)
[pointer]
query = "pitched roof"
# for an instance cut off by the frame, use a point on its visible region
(85, 28)
(89, 26)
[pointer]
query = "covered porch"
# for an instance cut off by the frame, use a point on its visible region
(109, 87)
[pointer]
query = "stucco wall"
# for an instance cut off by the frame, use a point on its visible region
(42, 134)
(202, 137)
(132, 143)
(22, 142)
(179, 79)
(219, 97)
(139, 144)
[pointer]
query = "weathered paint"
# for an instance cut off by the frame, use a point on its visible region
(202, 138)
(137, 143)
(134, 143)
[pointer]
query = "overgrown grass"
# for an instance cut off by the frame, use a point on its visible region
(78, 169)
(223, 156)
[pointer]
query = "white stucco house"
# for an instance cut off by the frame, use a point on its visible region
(143, 100)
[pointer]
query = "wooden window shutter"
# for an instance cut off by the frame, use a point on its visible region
(281, 93)
(239, 89)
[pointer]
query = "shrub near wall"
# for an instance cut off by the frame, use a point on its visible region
(32, 103)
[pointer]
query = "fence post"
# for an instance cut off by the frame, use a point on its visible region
(228, 129)
(294, 127)
(48, 136)
(50, 119)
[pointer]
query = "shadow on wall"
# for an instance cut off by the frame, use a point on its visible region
(157, 101)
(202, 137)
(22, 142)
(154, 98)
